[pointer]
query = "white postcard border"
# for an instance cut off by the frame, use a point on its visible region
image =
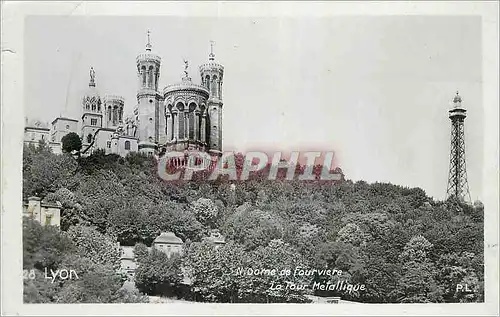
(13, 14)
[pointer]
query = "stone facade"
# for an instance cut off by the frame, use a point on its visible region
(169, 243)
(35, 131)
(127, 258)
(44, 212)
(182, 117)
(166, 242)
(59, 128)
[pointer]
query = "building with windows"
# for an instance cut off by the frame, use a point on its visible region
(184, 116)
(127, 260)
(46, 213)
(169, 243)
(35, 131)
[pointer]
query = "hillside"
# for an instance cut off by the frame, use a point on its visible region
(399, 243)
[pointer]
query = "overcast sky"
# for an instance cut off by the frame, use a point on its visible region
(376, 90)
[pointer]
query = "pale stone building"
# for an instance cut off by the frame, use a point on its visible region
(182, 117)
(44, 212)
(60, 127)
(35, 131)
(169, 243)
(127, 258)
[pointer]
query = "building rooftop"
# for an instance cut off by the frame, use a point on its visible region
(63, 118)
(168, 237)
(127, 252)
(36, 124)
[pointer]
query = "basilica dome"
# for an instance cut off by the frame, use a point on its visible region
(187, 87)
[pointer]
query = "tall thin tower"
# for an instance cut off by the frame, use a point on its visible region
(457, 177)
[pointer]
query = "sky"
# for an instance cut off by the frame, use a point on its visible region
(376, 90)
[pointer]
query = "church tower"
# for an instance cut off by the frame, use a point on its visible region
(91, 112)
(212, 74)
(148, 99)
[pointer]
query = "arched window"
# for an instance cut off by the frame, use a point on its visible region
(207, 81)
(109, 113)
(127, 145)
(191, 121)
(143, 75)
(151, 74)
(181, 125)
(214, 86)
(89, 138)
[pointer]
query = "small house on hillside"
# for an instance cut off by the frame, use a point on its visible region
(169, 243)
(128, 263)
(46, 213)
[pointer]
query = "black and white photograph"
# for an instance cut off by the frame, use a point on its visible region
(210, 156)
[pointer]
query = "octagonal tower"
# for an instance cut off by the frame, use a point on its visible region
(212, 74)
(148, 99)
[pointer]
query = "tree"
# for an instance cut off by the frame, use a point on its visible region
(205, 211)
(159, 274)
(43, 246)
(352, 234)
(93, 282)
(174, 217)
(213, 272)
(140, 252)
(97, 247)
(72, 211)
(280, 256)
(102, 194)
(45, 172)
(38, 290)
(418, 281)
(455, 269)
(363, 229)
(252, 228)
(71, 142)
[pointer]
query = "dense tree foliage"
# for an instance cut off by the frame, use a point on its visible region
(93, 278)
(398, 242)
(158, 274)
(71, 142)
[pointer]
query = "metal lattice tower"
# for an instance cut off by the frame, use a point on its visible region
(457, 177)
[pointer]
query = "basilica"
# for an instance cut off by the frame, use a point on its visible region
(184, 116)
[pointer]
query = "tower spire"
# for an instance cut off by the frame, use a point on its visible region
(211, 56)
(457, 177)
(186, 65)
(148, 45)
(92, 77)
(457, 99)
